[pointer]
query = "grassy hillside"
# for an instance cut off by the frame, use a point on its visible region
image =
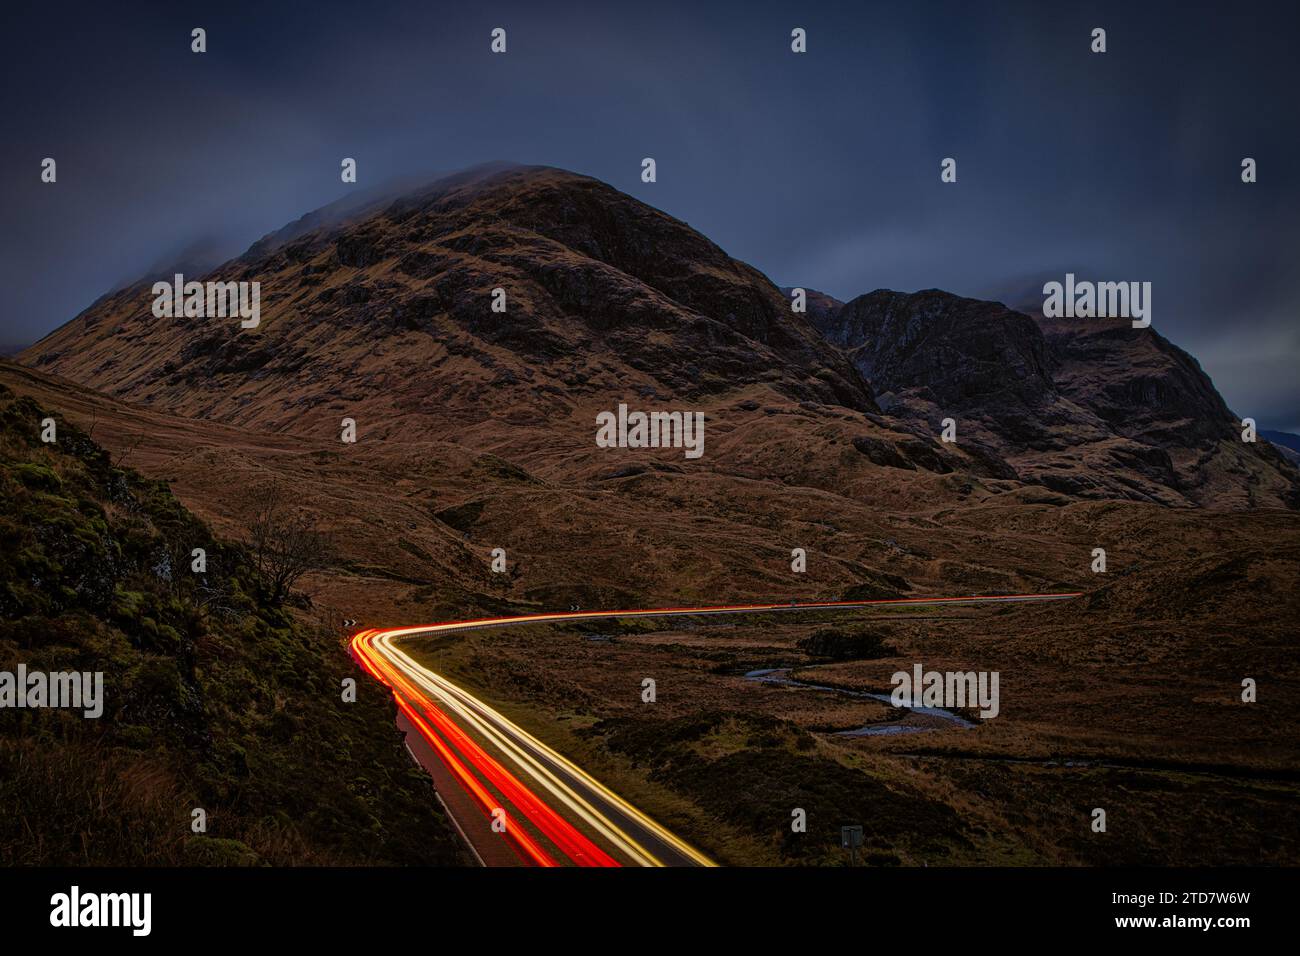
(211, 698)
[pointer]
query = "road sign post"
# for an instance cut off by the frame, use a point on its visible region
(851, 839)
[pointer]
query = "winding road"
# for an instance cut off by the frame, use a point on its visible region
(505, 788)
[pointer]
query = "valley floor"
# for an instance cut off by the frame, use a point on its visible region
(1128, 699)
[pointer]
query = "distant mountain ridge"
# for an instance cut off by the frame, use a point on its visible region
(1285, 439)
(1090, 408)
(1286, 443)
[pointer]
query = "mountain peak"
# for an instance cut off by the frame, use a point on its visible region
(603, 295)
(1090, 408)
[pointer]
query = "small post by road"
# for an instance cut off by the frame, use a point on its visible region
(851, 839)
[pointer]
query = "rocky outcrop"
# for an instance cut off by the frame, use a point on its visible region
(1087, 408)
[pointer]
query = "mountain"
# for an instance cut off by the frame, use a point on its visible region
(819, 303)
(1092, 409)
(379, 308)
(383, 312)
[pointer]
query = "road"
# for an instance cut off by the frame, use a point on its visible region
(511, 789)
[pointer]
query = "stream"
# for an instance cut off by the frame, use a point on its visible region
(781, 676)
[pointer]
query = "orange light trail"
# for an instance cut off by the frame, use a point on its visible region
(630, 831)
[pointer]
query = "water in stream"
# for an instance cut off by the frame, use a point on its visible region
(781, 675)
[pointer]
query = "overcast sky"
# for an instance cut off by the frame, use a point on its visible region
(820, 169)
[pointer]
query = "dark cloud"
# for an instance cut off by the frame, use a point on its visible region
(820, 169)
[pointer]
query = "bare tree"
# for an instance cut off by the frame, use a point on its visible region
(283, 541)
(126, 453)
